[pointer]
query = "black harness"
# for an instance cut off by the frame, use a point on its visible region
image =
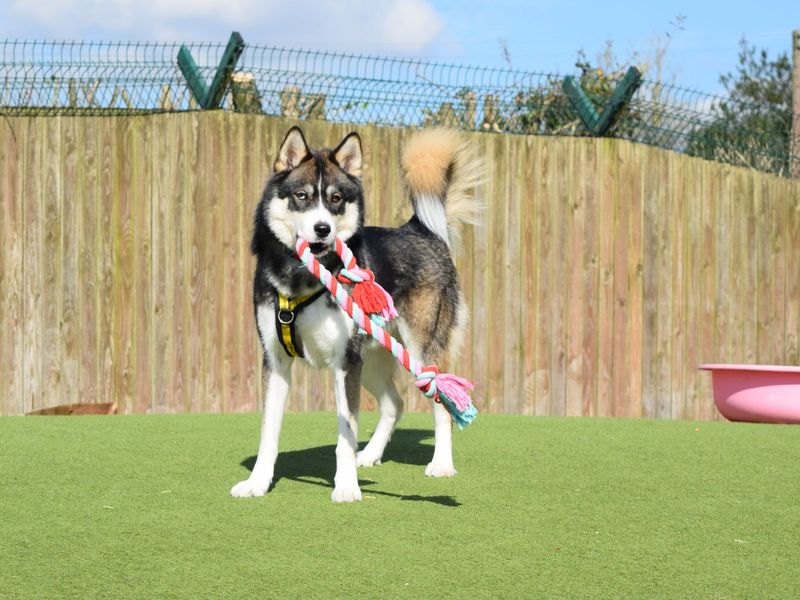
(286, 311)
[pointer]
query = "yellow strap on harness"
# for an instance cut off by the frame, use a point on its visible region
(287, 310)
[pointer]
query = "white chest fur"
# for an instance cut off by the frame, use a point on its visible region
(324, 332)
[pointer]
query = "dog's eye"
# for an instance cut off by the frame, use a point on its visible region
(300, 195)
(336, 198)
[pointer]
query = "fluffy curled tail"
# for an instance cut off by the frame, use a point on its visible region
(441, 170)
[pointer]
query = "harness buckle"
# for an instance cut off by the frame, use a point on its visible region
(285, 317)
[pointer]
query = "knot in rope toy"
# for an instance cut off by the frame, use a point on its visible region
(426, 381)
(370, 307)
(366, 292)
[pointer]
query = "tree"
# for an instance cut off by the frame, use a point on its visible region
(752, 126)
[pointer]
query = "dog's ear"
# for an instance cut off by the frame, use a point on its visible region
(293, 151)
(348, 154)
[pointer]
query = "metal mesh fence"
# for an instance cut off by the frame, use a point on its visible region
(102, 78)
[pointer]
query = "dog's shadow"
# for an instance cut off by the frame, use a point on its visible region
(312, 464)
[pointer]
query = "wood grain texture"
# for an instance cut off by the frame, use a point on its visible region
(51, 257)
(33, 177)
(72, 191)
(167, 273)
(12, 222)
(600, 274)
(141, 142)
(197, 239)
(529, 294)
(86, 198)
(608, 188)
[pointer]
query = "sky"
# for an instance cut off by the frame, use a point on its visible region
(699, 40)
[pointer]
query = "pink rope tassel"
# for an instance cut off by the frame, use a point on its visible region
(456, 389)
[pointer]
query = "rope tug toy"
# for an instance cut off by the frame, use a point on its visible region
(371, 307)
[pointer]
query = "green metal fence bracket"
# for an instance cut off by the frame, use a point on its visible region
(599, 124)
(211, 97)
(193, 77)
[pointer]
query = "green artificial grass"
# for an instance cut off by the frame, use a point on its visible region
(138, 507)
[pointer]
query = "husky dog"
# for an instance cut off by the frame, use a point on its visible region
(317, 195)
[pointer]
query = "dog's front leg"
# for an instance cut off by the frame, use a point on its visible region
(347, 390)
(278, 382)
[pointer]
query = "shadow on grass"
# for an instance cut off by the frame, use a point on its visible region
(309, 464)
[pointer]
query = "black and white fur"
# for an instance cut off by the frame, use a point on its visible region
(317, 195)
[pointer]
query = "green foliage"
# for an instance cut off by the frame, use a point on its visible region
(753, 125)
(544, 109)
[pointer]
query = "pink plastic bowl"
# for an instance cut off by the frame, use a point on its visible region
(757, 393)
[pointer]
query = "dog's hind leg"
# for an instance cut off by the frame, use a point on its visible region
(432, 351)
(278, 382)
(347, 389)
(442, 463)
(377, 377)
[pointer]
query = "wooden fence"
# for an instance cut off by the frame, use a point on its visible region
(602, 274)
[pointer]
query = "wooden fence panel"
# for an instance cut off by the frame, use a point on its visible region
(167, 280)
(526, 181)
(12, 222)
(84, 195)
(108, 218)
(600, 275)
(791, 266)
(33, 246)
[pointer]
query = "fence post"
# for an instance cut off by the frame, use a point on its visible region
(290, 102)
(794, 148)
(246, 97)
(470, 111)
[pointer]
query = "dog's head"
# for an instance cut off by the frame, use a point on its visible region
(315, 194)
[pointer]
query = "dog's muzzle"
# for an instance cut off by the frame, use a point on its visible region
(319, 248)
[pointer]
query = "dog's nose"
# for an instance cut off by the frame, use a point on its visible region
(322, 229)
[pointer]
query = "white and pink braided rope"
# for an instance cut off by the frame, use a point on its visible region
(452, 391)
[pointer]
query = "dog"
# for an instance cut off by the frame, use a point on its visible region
(317, 195)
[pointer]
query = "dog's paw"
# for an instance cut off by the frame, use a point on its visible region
(435, 469)
(250, 487)
(367, 459)
(342, 493)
